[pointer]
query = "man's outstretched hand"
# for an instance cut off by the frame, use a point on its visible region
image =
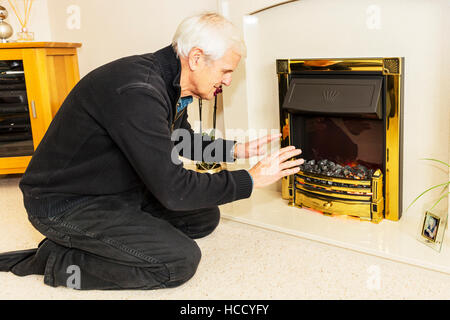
(257, 147)
(275, 166)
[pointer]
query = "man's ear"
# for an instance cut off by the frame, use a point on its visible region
(195, 58)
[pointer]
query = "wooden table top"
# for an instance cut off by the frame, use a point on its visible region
(18, 45)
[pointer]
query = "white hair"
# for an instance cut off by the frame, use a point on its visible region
(210, 32)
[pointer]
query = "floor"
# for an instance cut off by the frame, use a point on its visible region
(240, 261)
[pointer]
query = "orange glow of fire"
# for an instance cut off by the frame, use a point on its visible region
(351, 164)
(340, 216)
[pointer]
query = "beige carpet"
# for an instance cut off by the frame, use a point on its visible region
(239, 262)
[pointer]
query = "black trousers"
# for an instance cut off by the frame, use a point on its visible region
(126, 241)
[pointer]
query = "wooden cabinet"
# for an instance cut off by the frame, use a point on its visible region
(35, 78)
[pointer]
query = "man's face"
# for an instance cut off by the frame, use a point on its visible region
(211, 75)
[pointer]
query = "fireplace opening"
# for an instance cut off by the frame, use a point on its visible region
(340, 147)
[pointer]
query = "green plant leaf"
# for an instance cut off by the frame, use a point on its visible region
(445, 185)
(443, 189)
(429, 189)
(434, 205)
(436, 160)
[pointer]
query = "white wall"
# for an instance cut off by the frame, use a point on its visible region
(111, 29)
(415, 29)
(237, 115)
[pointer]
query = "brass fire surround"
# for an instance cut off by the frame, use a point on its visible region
(368, 202)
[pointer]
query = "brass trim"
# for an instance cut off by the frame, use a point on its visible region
(211, 171)
(377, 185)
(287, 183)
(377, 210)
(392, 148)
(217, 167)
(330, 64)
(333, 194)
(337, 180)
(290, 127)
(391, 66)
(334, 188)
(341, 207)
(282, 66)
(370, 200)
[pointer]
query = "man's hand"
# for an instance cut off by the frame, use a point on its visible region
(275, 166)
(255, 147)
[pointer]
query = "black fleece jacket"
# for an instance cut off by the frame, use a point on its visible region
(112, 134)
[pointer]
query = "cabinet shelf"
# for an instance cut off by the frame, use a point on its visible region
(35, 78)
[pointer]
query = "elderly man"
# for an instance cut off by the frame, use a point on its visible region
(116, 210)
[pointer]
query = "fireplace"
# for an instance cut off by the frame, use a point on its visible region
(346, 116)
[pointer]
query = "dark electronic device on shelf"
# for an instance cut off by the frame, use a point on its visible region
(16, 138)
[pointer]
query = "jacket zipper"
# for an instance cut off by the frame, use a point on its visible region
(176, 116)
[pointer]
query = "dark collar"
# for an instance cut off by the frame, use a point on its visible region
(171, 71)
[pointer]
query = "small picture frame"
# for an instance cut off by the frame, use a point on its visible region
(433, 228)
(430, 226)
